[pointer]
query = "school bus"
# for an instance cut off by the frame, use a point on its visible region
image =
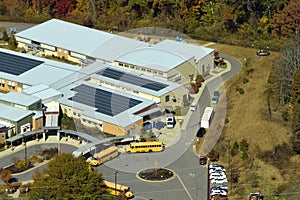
(138, 147)
(104, 156)
(118, 190)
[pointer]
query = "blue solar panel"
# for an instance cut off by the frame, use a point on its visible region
(104, 101)
(16, 65)
(132, 79)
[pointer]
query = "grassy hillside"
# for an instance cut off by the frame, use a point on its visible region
(267, 163)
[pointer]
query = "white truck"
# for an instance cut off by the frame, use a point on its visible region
(207, 117)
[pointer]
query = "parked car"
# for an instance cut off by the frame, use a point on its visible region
(217, 175)
(218, 181)
(218, 191)
(262, 53)
(217, 171)
(201, 132)
(216, 167)
(219, 197)
(215, 98)
(193, 107)
(220, 187)
(203, 160)
(217, 94)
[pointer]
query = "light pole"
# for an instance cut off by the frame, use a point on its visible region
(116, 184)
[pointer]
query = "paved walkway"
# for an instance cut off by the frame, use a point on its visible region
(49, 140)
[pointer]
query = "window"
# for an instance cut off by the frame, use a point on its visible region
(126, 65)
(74, 113)
(2, 83)
(137, 68)
(167, 98)
(132, 66)
(143, 69)
(154, 72)
(148, 70)
(160, 73)
(120, 64)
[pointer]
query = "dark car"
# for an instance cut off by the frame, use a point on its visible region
(201, 132)
(203, 160)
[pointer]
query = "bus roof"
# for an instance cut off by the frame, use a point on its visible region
(146, 143)
(118, 186)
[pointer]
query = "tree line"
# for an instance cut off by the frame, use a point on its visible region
(249, 20)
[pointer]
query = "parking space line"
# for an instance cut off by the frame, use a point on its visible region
(188, 193)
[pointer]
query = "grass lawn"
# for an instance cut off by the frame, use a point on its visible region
(248, 120)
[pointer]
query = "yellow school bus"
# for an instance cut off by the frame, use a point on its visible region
(118, 190)
(138, 147)
(104, 156)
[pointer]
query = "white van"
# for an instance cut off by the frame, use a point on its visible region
(169, 120)
(193, 107)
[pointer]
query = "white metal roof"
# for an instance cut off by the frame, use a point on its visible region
(19, 98)
(43, 92)
(154, 58)
(66, 35)
(13, 114)
(184, 49)
(115, 46)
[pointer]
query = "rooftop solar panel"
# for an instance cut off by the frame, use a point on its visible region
(132, 79)
(104, 101)
(16, 65)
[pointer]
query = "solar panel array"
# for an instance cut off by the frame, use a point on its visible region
(132, 79)
(105, 102)
(16, 65)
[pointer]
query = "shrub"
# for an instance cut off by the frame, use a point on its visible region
(249, 71)
(244, 146)
(245, 155)
(239, 89)
(213, 156)
(245, 80)
(226, 120)
(235, 174)
(235, 149)
(194, 89)
(21, 164)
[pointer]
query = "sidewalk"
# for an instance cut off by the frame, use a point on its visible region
(50, 140)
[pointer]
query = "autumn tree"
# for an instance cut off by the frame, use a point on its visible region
(68, 177)
(287, 22)
(5, 175)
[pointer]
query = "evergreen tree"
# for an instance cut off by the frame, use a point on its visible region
(12, 42)
(5, 36)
